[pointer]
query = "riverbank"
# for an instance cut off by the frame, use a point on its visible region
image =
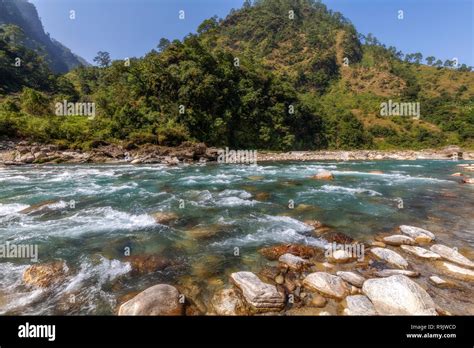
(20, 153)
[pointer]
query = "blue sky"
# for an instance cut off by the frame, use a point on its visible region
(130, 28)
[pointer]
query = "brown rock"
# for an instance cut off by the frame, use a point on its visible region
(274, 252)
(44, 275)
(164, 217)
(323, 175)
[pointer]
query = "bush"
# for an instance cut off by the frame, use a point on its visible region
(35, 103)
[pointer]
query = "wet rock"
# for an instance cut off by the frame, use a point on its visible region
(228, 302)
(468, 181)
(457, 174)
(323, 175)
(441, 283)
(390, 257)
(41, 206)
(161, 299)
(326, 284)
(46, 274)
(164, 218)
(340, 256)
(417, 233)
(279, 279)
(203, 232)
(398, 295)
(352, 278)
(338, 238)
(455, 271)
(293, 262)
(359, 305)
(420, 252)
(452, 255)
(262, 196)
(398, 239)
(143, 264)
(274, 252)
(261, 296)
(378, 244)
(390, 272)
(314, 223)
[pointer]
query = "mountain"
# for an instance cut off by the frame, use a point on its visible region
(24, 15)
(275, 74)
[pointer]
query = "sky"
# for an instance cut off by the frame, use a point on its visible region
(131, 28)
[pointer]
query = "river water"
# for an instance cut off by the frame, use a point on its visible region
(100, 211)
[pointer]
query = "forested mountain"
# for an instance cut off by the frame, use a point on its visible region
(275, 74)
(24, 15)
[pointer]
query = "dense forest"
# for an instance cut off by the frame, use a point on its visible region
(275, 74)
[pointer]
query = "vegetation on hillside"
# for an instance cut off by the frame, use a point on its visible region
(276, 74)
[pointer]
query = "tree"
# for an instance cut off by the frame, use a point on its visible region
(418, 58)
(103, 59)
(163, 44)
(207, 25)
(247, 4)
(438, 63)
(430, 60)
(448, 63)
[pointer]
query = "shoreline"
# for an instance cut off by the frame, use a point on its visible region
(22, 153)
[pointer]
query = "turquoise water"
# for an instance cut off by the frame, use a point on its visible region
(246, 207)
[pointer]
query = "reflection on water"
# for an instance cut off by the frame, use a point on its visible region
(225, 213)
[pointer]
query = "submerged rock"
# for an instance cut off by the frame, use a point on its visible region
(452, 255)
(390, 272)
(164, 218)
(417, 233)
(274, 252)
(323, 175)
(41, 206)
(398, 239)
(398, 295)
(390, 256)
(327, 284)
(420, 252)
(161, 299)
(203, 232)
(352, 278)
(359, 305)
(228, 302)
(143, 264)
(293, 262)
(261, 296)
(46, 274)
(455, 271)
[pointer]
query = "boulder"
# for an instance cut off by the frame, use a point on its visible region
(452, 255)
(398, 295)
(390, 257)
(260, 296)
(228, 302)
(455, 271)
(161, 299)
(352, 278)
(420, 252)
(323, 175)
(46, 274)
(326, 284)
(390, 272)
(293, 262)
(398, 239)
(417, 233)
(359, 305)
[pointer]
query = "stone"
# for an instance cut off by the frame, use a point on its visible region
(359, 305)
(326, 284)
(324, 314)
(164, 218)
(262, 196)
(161, 299)
(390, 272)
(143, 264)
(46, 274)
(452, 255)
(398, 295)
(274, 252)
(340, 256)
(441, 283)
(455, 271)
(398, 239)
(228, 302)
(420, 252)
(323, 175)
(314, 223)
(351, 278)
(376, 172)
(260, 296)
(378, 244)
(279, 279)
(41, 206)
(293, 262)
(468, 181)
(317, 300)
(417, 232)
(203, 232)
(457, 174)
(390, 257)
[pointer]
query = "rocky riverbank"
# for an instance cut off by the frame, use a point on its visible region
(385, 279)
(21, 153)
